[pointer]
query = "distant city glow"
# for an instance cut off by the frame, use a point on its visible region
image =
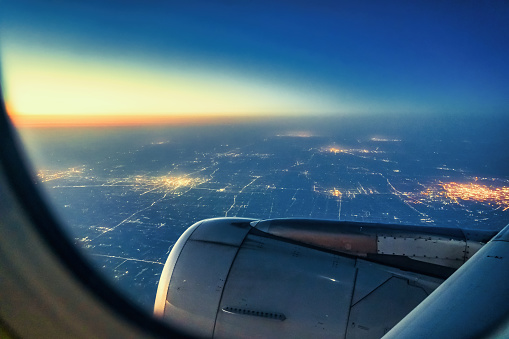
(336, 193)
(145, 184)
(384, 139)
(336, 150)
(297, 134)
(49, 175)
(471, 192)
(349, 193)
(165, 182)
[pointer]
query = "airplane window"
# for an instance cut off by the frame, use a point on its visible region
(142, 119)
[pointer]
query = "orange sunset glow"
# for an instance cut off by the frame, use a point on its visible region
(95, 120)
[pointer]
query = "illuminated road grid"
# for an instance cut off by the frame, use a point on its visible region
(127, 211)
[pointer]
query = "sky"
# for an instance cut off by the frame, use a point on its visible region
(70, 62)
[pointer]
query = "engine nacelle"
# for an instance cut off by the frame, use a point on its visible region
(234, 277)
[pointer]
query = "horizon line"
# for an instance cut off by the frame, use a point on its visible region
(130, 120)
(134, 120)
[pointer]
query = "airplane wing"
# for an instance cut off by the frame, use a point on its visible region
(233, 277)
(472, 303)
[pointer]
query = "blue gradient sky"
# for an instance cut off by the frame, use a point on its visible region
(255, 57)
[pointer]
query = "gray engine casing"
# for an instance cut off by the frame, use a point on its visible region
(225, 278)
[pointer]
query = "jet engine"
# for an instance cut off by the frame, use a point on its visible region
(235, 277)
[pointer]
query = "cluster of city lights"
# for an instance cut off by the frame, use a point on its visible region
(336, 150)
(335, 193)
(233, 154)
(347, 193)
(296, 134)
(48, 175)
(384, 139)
(166, 182)
(147, 183)
(498, 196)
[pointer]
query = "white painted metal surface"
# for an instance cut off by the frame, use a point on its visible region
(437, 250)
(472, 303)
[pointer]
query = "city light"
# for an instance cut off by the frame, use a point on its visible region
(335, 192)
(145, 183)
(384, 139)
(165, 182)
(48, 175)
(470, 192)
(351, 151)
(296, 134)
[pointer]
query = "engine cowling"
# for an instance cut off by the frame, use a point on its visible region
(234, 277)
